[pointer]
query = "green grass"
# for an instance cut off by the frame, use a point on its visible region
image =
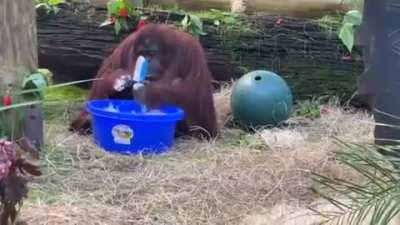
(240, 139)
(309, 108)
(69, 93)
(58, 99)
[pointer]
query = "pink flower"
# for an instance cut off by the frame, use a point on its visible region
(141, 24)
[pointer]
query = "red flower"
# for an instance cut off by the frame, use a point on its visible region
(7, 100)
(140, 24)
(279, 21)
(124, 12)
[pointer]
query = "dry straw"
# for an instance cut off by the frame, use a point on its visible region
(236, 179)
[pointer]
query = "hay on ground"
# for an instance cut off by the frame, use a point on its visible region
(232, 180)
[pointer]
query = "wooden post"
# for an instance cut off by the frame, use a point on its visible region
(18, 57)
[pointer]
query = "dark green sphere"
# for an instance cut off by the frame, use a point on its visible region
(261, 98)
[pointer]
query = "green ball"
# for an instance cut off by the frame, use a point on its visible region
(261, 98)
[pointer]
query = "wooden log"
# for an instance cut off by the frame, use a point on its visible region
(307, 55)
(292, 7)
(73, 45)
(286, 7)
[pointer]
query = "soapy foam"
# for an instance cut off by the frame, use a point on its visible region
(143, 110)
(111, 108)
(155, 112)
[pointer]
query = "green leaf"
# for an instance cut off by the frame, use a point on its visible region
(124, 24)
(353, 17)
(36, 79)
(117, 26)
(56, 2)
(196, 21)
(217, 22)
(201, 32)
(230, 20)
(55, 9)
(109, 8)
(373, 201)
(347, 36)
(193, 25)
(113, 7)
(120, 4)
(185, 21)
(46, 74)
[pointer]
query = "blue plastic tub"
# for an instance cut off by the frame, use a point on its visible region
(130, 131)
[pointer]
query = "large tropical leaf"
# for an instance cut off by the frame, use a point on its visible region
(376, 200)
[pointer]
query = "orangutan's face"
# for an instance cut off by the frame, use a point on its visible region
(151, 51)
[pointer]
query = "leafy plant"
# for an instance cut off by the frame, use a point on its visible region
(31, 92)
(193, 25)
(309, 108)
(49, 5)
(16, 151)
(376, 200)
(120, 13)
(226, 21)
(223, 18)
(14, 167)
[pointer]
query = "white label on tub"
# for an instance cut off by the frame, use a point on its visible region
(122, 134)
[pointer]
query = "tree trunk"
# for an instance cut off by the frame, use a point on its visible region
(307, 55)
(18, 57)
(18, 42)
